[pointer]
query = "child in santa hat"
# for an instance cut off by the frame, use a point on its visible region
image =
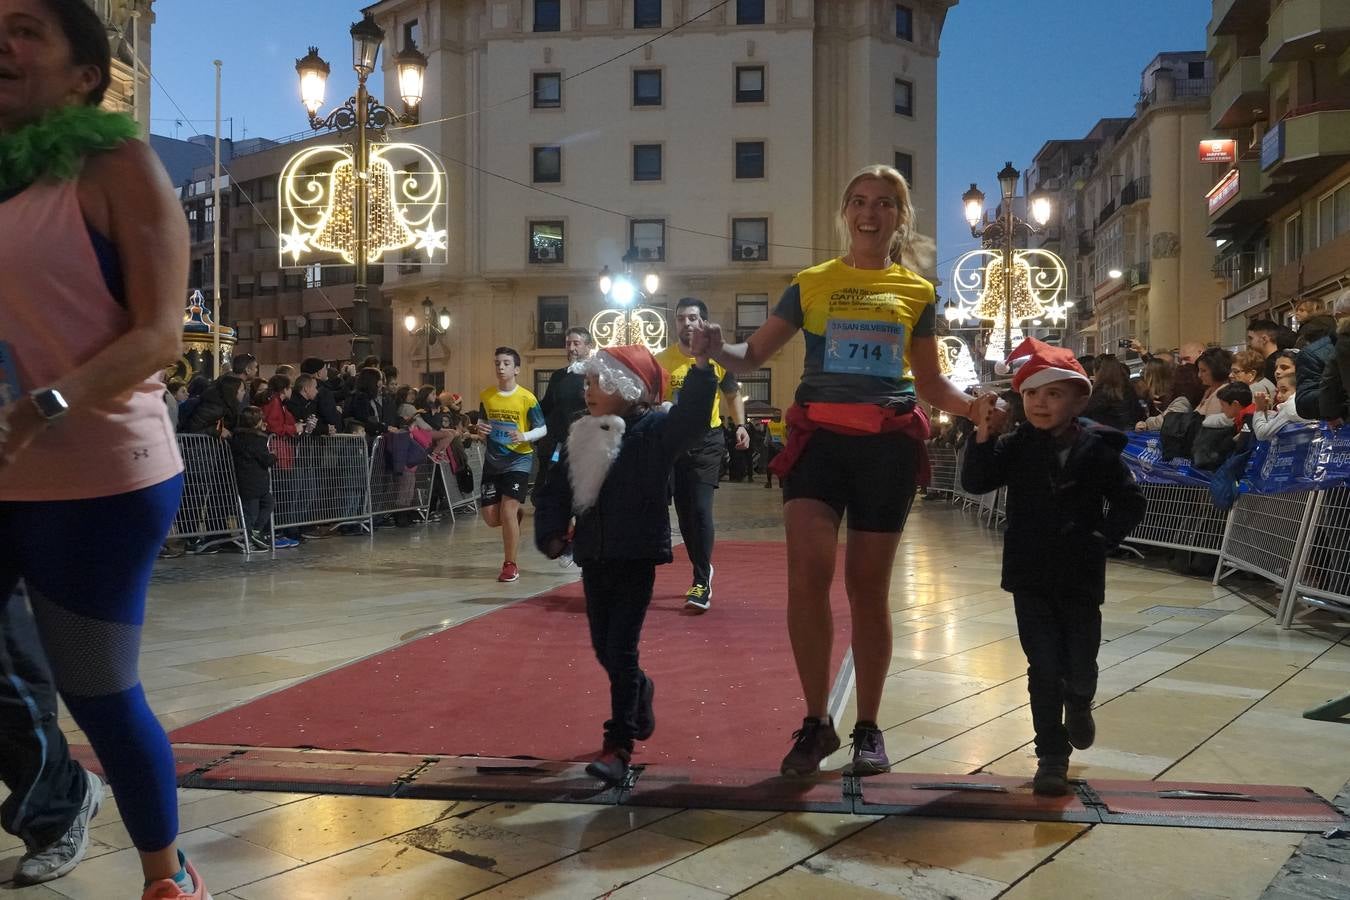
(1059, 471)
(613, 479)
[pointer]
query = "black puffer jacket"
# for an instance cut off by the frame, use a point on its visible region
(1308, 368)
(630, 519)
(1057, 534)
(1334, 397)
(252, 460)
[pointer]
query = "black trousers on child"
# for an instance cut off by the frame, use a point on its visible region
(46, 787)
(258, 512)
(1060, 636)
(617, 596)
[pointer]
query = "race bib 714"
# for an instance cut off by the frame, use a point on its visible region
(865, 347)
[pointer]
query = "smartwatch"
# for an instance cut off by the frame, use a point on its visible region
(50, 404)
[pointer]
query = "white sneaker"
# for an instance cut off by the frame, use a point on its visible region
(58, 858)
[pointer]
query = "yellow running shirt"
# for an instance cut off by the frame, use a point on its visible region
(677, 365)
(514, 411)
(858, 324)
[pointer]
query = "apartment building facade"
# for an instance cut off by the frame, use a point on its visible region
(1281, 208)
(1133, 226)
(129, 26)
(716, 152)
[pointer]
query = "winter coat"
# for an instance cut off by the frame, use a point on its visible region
(630, 518)
(1118, 414)
(281, 422)
(1057, 534)
(1308, 367)
(1334, 401)
(1214, 443)
(376, 418)
(252, 459)
(564, 402)
(212, 413)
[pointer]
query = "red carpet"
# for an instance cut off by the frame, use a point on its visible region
(522, 681)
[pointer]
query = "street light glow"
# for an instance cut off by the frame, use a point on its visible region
(1114, 273)
(623, 291)
(651, 282)
(1040, 209)
(410, 322)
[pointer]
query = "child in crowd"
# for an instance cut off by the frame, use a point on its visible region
(1227, 431)
(1269, 417)
(613, 477)
(1059, 470)
(252, 460)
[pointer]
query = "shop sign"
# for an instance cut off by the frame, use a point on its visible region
(1245, 299)
(1218, 150)
(1222, 192)
(1272, 146)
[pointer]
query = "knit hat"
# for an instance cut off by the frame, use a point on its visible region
(630, 371)
(1037, 363)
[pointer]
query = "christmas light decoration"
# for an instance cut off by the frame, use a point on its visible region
(955, 361)
(620, 327)
(407, 206)
(994, 302)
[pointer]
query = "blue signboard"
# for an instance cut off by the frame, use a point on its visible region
(1272, 146)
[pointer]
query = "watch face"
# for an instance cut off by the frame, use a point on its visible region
(50, 403)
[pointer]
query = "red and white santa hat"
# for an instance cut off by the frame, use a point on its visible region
(1038, 363)
(630, 371)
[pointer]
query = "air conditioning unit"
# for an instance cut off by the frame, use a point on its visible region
(546, 254)
(749, 251)
(553, 327)
(647, 253)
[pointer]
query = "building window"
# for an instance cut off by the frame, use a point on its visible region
(1195, 71)
(1293, 238)
(1333, 214)
(547, 15)
(552, 322)
(541, 377)
(648, 238)
(749, 12)
(904, 164)
(547, 90)
(646, 13)
(546, 167)
(752, 311)
(646, 162)
(293, 281)
(313, 275)
(904, 97)
(749, 159)
(749, 84)
(243, 287)
(646, 87)
(268, 329)
(904, 22)
(546, 242)
(757, 385)
(412, 34)
(749, 239)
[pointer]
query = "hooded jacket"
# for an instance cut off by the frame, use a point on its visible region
(1334, 398)
(629, 518)
(1309, 365)
(1058, 533)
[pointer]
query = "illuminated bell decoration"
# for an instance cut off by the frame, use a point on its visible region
(993, 302)
(622, 327)
(407, 204)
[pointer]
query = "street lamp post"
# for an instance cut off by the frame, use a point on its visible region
(1003, 230)
(364, 118)
(432, 325)
(631, 322)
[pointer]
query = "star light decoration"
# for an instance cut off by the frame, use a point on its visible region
(407, 204)
(1039, 283)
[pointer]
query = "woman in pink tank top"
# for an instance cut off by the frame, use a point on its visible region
(93, 265)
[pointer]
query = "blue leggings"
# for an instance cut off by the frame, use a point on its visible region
(87, 566)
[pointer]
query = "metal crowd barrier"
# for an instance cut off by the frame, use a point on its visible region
(210, 509)
(1180, 517)
(1321, 573)
(402, 490)
(1263, 536)
(456, 499)
(319, 479)
(942, 461)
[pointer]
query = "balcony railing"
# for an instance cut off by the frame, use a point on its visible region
(1106, 212)
(1135, 191)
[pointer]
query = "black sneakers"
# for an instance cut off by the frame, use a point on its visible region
(1052, 777)
(1079, 724)
(814, 741)
(611, 766)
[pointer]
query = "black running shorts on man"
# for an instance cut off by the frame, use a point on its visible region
(870, 477)
(504, 484)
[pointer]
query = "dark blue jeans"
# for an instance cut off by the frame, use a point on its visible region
(1060, 637)
(617, 596)
(46, 787)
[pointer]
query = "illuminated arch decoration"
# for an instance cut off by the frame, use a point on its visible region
(621, 327)
(408, 204)
(956, 363)
(1039, 284)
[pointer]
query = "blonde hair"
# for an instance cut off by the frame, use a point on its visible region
(1249, 361)
(908, 248)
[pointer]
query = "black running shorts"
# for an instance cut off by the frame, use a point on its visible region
(870, 477)
(504, 484)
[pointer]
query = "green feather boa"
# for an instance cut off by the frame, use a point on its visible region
(54, 146)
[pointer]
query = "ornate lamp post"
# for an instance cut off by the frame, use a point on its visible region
(1009, 265)
(432, 325)
(362, 117)
(629, 322)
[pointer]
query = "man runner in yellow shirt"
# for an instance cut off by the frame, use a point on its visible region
(697, 471)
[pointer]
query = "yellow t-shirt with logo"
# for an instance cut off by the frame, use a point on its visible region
(515, 411)
(677, 366)
(858, 324)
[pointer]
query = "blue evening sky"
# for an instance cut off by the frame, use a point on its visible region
(1013, 74)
